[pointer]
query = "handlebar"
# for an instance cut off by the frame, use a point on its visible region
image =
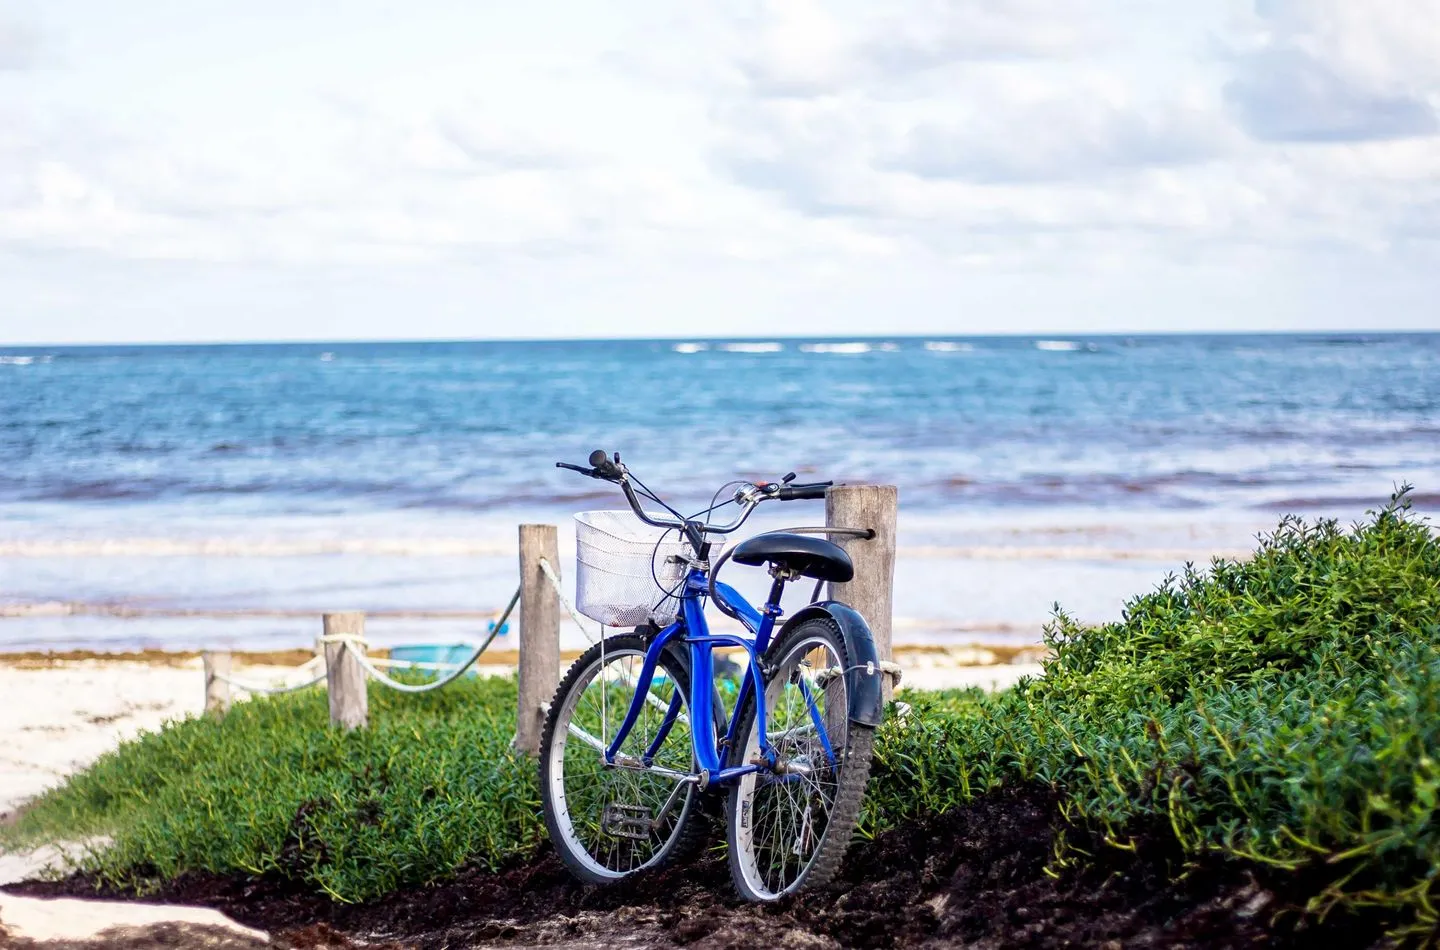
(812, 491)
(747, 497)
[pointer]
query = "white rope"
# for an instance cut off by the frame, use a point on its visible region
(355, 645)
(569, 607)
(268, 690)
(381, 678)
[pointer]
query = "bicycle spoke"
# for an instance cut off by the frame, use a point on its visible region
(620, 817)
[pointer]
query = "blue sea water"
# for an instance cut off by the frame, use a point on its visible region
(291, 476)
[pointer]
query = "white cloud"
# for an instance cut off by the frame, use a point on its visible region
(1337, 71)
(776, 156)
(19, 44)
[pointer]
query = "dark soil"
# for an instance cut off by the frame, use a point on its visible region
(979, 876)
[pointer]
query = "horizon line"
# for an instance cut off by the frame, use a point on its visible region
(720, 338)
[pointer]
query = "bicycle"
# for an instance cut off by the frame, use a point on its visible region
(636, 747)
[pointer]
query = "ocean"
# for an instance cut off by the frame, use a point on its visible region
(184, 496)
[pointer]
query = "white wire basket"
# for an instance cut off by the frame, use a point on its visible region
(618, 562)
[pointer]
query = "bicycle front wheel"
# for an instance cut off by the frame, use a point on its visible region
(790, 825)
(609, 821)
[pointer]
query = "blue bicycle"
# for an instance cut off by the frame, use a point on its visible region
(637, 748)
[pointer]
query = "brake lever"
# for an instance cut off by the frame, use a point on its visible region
(578, 468)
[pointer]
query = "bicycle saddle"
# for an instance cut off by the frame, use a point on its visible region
(806, 555)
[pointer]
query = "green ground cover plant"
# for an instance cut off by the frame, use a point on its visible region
(431, 785)
(1283, 710)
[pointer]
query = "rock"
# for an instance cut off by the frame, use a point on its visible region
(30, 923)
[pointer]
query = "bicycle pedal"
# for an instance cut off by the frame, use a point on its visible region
(627, 821)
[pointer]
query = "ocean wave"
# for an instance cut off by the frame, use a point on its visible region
(769, 347)
(230, 547)
(1057, 346)
(250, 547)
(690, 347)
(17, 360)
(948, 346)
(85, 608)
(1065, 553)
(835, 347)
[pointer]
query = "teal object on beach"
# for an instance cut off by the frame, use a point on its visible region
(451, 654)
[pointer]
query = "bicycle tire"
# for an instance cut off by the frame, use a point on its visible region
(687, 834)
(851, 765)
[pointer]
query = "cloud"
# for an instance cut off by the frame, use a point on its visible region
(801, 48)
(1286, 95)
(1063, 138)
(923, 138)
(1335, 71)
(19, 45)
(945, 32)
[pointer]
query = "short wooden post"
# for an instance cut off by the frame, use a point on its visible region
(344, 676)
(872, 592)
(539, 633)
(217, 691)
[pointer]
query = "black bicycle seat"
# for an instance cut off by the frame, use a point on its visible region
(804, 554)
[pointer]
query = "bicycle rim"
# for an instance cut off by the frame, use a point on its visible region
(611, 821)
(781, 823)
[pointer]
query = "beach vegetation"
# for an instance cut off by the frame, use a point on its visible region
(1282, 711)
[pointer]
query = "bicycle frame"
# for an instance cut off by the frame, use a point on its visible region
(693, 630)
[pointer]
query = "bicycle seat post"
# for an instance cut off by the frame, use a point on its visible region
(781, 576)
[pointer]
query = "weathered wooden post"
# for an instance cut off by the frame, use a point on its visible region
(217, 691)
(344, 676)
(539, 633)
(872, 592)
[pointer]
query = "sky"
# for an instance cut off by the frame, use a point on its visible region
(205, 170)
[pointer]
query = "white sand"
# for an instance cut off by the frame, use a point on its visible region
(57, 720)
(64, 919)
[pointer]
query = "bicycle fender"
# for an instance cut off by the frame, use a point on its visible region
(864, 682)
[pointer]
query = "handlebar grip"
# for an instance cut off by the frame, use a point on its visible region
(604, 468)
(810, 492)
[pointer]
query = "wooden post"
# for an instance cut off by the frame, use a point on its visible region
(344, 676)
(539, 633)
(217, 691)
(872, 592)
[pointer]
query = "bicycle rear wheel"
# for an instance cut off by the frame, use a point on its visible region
(609, 821)
(789, 827)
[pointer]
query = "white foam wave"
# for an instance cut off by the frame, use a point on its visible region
(84, 608)
(835, 347)
(1057, 346)
(16, 360)
(753, 347)
(690, 347)
(948, 346)
(249, 547)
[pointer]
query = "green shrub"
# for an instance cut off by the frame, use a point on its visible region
(431, 785)
(1283, 709)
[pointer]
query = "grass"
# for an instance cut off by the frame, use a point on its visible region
(1283, 710)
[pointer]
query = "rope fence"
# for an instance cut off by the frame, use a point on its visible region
(352, 647)
(862, 517)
